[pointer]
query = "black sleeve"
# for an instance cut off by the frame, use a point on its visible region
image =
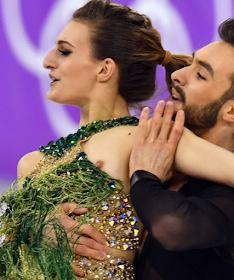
(180, 223)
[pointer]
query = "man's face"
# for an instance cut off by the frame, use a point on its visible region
(197, 89)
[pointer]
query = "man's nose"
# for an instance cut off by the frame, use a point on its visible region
(179, 77)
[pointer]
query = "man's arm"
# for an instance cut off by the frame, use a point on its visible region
(182, 223)
(177, 222)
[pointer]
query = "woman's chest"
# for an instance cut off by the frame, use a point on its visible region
(110, 152)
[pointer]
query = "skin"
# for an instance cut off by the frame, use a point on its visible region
(205, 80)
(72, 77)
(155, 147)
(92, 86)
(154, 150)
(72, 63)
(196, 79)
(207, 84)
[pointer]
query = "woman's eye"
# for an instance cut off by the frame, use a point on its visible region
(200, 76)
(64, 52)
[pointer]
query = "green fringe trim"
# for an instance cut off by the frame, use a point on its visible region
(30, 254)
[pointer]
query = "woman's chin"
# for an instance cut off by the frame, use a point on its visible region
(52, 96)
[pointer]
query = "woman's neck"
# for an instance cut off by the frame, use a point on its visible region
(104, 110)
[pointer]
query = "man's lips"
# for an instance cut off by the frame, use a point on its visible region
(175, 95)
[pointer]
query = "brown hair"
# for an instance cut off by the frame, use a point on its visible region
(120, 33)
(226, 33)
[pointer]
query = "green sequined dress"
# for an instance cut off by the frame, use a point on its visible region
(64, 175)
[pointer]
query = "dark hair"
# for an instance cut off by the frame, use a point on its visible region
(208, 115)
(120, 33)
(226, 33)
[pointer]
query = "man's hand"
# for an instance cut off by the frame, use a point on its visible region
(154, 149)
(90, 244)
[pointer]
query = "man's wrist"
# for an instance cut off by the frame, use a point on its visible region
(142, 174)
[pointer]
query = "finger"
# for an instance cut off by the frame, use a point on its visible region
(75, 231)
(166, 122)
(80, 210)
(156, 120)
(177, 129)
(143, 125)
(72, 207)
(92, 232)
(91, 243)
(68, 207)
(85, 251)
(69, 223)
(77, 271)
(88, 247)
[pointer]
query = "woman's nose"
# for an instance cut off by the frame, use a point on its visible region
(49, 61)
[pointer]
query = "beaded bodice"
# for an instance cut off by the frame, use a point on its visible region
(116, 219)
(58, 147)
(65, 174)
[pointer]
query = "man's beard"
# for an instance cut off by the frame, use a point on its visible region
(202, 117)
(198, 116)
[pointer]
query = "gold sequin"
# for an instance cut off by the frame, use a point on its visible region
(115, 218)
(121, 231)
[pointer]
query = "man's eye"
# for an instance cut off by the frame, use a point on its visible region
(64, 52)
(200, 76)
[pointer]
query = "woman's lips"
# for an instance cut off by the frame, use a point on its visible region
(53, 83)
(54, 80)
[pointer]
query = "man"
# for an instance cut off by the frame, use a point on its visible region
(191, 231)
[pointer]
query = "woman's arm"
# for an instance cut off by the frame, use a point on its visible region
(26, 165)
(199, 158)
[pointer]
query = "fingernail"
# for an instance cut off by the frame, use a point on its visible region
(161, 103)
(102, 255)
(180, 112)
(81, 208)
(103, 241)
(108, 251)
(81, 274)
(169, 104)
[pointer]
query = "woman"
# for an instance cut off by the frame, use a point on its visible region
(104, 59)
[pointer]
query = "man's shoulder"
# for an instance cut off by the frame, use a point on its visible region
(204, 188)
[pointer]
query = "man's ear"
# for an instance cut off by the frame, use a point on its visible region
(106, 70)
(228, 111)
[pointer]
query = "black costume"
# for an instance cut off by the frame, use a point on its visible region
(190, 231)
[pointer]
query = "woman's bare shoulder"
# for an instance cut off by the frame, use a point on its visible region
(27, 163)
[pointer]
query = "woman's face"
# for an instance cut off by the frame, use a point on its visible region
(73, 70)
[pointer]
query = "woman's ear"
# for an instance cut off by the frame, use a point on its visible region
(106, 70)
(228, 111)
